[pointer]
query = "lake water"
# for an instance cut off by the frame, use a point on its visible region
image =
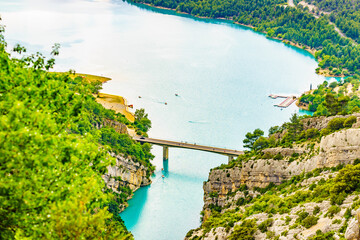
(222, 73)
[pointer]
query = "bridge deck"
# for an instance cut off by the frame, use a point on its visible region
(223, 151)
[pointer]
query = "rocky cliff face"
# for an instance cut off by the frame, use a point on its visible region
(341, 147)
(344, 222)
(126, 172)
(322, 122)
(222, 187)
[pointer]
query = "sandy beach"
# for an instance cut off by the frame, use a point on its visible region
(116, 103)
(119, 105)
(108, 101)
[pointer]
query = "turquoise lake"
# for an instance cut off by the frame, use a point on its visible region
(222, 73)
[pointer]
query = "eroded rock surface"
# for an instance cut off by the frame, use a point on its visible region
(127, 172)
(341, 147)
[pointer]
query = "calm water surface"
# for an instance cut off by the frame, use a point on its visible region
(222, 73)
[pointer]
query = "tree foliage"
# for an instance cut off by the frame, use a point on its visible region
(251, 138)
(334, 99)
(53, 153)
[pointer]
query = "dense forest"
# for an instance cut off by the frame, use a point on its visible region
(53, 153)
(282, 22)
(345, 14)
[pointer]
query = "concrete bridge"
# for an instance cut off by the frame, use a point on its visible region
(166, 144)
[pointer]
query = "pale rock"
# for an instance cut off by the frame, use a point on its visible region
(283, 151)
(341, 147)
(352, 231)
(132, 174)
(259, 235)
(219, 234)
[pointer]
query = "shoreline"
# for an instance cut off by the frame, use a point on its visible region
(312, 51)
(114, 102)
(119, 105)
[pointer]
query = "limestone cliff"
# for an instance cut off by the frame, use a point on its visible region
(222, 190)
(341, 147)
(128, 173)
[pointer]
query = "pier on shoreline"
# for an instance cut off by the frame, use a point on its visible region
(286, 103)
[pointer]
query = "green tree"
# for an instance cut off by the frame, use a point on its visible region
(142, 121)
(252, 137)
(261, 143)
(336, 105)
(295, 126)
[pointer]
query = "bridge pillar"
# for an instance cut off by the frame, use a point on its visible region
(230, 158)
(165, 153)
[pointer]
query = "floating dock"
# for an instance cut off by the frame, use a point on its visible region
(273, 96)
(287, 102)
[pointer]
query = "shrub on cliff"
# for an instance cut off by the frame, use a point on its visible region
(244, 231)
(336, 124)
(309, 221)
(311, 133)
(347, 180)
(323, 236)
(263, 227)
(349, 121)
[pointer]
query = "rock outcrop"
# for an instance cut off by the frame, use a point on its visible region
(286, 226)
(128, 173)
(341, 147)
(353, 231)
(322, 121)
(222, 190)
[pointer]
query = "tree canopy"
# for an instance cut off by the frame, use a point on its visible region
(53, 154)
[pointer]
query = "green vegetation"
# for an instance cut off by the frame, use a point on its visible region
(53, 153)
(263, 227)
(323, 236)
(328, 100)
(280, 199)
(244, 231)
(286, 23)
(293, 133)
(345, 14)
(142, 122)
(251, 138)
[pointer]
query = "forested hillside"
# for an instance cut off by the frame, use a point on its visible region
(280, 21)
(54, 148)
(345, 14)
